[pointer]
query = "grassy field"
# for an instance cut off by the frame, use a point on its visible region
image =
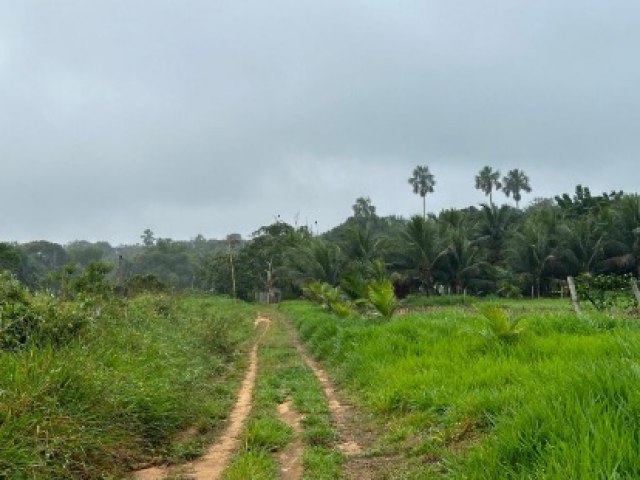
(539, 304)
(559, 400)
(124, 391)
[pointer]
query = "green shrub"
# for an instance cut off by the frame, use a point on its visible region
(145, 283)
(383, 297)
(354, 286)
(93, 282)
(36, 320)
(329, 297)
(606, 291)
(499, 324)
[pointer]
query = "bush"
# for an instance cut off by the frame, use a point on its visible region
(499, 324)
(329, 297)
(145, 283)
(36, 320)
(382, 296)
(93, 281)
(606, 291)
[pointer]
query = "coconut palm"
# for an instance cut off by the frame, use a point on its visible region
(362, 247)
(492, 230)
(533, 253)
(420, 251)
(515, 182)
(623, 251)
(422, 182)
(487, 181)
(582, 243)
(315, 260)
(461, 260)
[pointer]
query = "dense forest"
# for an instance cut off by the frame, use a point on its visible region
(488, 249)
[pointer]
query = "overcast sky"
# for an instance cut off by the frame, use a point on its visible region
(213, 117)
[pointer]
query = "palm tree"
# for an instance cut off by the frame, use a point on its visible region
(420, 251)
(582, 243)
(361, 246)
(623, 252)
(533, 253)
(515, 182)
(461, 259)
(488, 180)
(422, 182)
(492, 229)
(315, 260)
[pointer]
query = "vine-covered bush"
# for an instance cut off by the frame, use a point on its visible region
(27, 319)
(606, 291)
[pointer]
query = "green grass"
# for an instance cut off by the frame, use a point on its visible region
(282, 375)
(420, 301)
(254, 464)
(559, 401)
(122, 392)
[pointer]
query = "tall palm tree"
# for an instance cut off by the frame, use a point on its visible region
(515, 182)
(488, 180)
(422, 182)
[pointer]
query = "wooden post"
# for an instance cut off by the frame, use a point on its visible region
(636, 291)
(574, 295)
(232, 240)
(269, 281)
(233, 272)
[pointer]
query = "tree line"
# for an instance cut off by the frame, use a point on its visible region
(486, 249)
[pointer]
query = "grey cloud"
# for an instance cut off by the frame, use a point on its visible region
(213, 117)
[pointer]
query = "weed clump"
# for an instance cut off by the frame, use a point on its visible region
(36, 320)
(499, 325)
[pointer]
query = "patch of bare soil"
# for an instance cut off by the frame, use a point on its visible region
(153, 473)
(290, 459)
(211, 465)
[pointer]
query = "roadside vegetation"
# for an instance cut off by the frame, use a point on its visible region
(95, 386)
(492, 392)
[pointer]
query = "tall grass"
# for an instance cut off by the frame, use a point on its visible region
(562, 402)
(118, 394)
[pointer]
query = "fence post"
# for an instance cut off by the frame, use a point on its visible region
(574, 295)
(636, 291)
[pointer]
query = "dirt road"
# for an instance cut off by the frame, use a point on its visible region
(213, 463)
